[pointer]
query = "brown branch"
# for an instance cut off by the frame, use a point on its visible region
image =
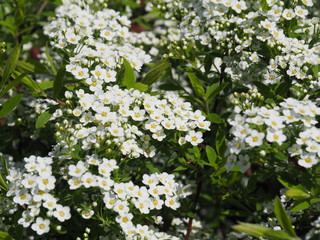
(196, 199)
(42, 7)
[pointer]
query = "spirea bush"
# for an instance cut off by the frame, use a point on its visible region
(145, 120)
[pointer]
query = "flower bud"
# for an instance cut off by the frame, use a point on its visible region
(262, 153)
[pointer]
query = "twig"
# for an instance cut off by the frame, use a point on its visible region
(42, 7)
(196, 199)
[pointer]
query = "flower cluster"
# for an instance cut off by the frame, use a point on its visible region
(241, 31)
(129, 120)
(95, 40)
(35, 189)
(292, 122)
(99, 126)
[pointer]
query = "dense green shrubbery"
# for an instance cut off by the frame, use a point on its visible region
(159, 119)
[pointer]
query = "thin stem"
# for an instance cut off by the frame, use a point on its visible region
(222, 73)
(42, 7)
(195, 203)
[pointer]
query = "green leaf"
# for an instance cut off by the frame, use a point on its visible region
(214, 118)
(214, 90)
(264, 5)
(32, 66)
(211, 88)
(11, 65)
(290, 186)
(264, 89)
(53, 68)
(4, 236)
(260, 231)
(154, 74)
(46, 85)
(208, 63)
(10, 26)
(30, 83)
(10, 105)
(180, 168)
(314, 200)
(282, 89)
(129, 79)
(220, 141)
(58, 81)
(297, 194)
(12, 84)
(141, 87)
(300, 205)
(316, 70)
(43, 119)
(3, 184)
(283, 218)
(212, 156)
(152, 168)
(196, 84)
(5, 165)
(281, 156)
(130, 3)
(169, 87)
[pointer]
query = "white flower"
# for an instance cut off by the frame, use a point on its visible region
(238, 6)
(268, 24)
(241, 131)
(301, 12)
(153, 126)
(75, 182)
(88, 180)
(255, 138)
(41, 226)
(243, 163)
(22, 197)
(29, 181)
(26, 219)
(308, 160)
(80, 73)
(124, 219)
(290, 116)
(295, 150)
(116, 131)
(38, 194)
(77, 170)
(87, 213)
(288, 14)
(62, 213)
(275, 122)
(107, 34)
(46, 183)
(156, 191)
(308, 3)
(121, 207)
(275, 136)
(119, 189)
(109, 200)
(150, 180)
(159, 135)
(156, 203)
(73, 38)
(204, 125)
(194, 137)
(312, 146)
(50, 202)
(172, 202)
(143, 204)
